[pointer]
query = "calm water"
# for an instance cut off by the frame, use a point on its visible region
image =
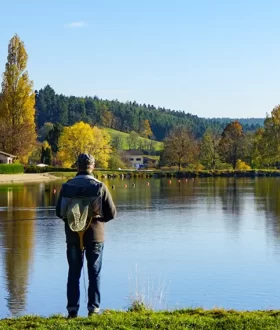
(208, 242)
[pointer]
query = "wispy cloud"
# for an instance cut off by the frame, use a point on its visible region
(78, 24)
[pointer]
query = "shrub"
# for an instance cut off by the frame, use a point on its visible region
(240, 165)
(11, 168)
(138, 306)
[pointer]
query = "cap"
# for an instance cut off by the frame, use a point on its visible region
(84, 160)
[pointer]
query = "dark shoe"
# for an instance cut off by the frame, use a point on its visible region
(72, 315)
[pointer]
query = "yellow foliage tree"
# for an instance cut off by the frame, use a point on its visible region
(17, 100)
(145, 129)
(82, 138)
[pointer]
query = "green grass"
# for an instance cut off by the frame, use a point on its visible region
(158, 145)
(195, 319)
(11, 168)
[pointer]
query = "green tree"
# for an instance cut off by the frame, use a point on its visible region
(231, 145)
(46, 154)
(269, 144)
(209, 150)
(17, 124)
(43, 132)
(248, 147)
(259, 149)
(53, 137)
(115, 161)
(133, 140)
(35, 156)
(117, 142)
(180, 148)
(46, 106)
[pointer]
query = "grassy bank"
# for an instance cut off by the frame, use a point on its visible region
(197, 319)
(11, 168)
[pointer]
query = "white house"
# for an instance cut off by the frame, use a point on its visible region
(134, 157)
(6, 158)
(138, 159)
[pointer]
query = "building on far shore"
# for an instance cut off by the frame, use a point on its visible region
(6, 158)
(138, 159)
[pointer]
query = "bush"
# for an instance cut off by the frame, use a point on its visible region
(240, 165)
(138, 306)
(11, 168)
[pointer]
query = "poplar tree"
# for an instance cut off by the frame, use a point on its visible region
(17, 101)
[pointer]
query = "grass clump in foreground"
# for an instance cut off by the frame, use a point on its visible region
(179, 319)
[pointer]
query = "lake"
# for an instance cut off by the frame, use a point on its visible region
(211, 242)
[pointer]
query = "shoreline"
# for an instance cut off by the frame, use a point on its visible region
(127, 174)
(27, 177)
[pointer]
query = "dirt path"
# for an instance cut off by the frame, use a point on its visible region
(26, 177)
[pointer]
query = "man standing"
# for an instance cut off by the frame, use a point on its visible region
(99, 210)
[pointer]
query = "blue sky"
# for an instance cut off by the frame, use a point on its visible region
(209, 58)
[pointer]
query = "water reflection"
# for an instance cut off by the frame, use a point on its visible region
(182, 230)
(17, 241)
(268, 200)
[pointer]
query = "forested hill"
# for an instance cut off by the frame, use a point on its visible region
(254, 122)
(126, 117)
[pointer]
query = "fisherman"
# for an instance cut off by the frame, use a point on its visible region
(84, 204)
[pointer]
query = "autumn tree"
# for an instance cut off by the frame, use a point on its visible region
(145, 129)
(179, 147)
(209, 150)
(107, 118)
(82, 138)
(17, 100)
(231, 145)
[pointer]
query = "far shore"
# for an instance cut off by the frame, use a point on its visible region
(26, 178)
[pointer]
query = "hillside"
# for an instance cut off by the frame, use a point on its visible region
(124, 117)
(124, 137)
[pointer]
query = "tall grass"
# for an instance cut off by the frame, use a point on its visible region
(146, 292)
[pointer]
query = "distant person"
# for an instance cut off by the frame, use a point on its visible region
(84, 204)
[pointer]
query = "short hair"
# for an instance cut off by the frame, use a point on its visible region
(85, 160)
